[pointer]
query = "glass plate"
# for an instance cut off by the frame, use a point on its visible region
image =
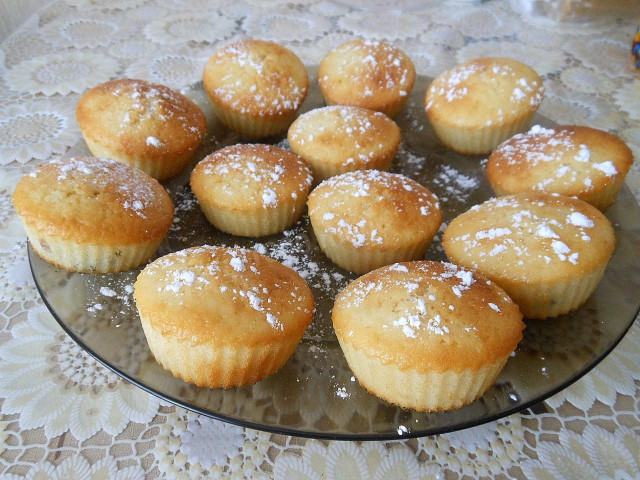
(315, 394)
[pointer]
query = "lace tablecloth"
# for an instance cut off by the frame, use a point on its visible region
(63, 415)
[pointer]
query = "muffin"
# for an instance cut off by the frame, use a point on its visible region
(255, 87)
(252, 190)
(426, 335)
(143, 124)
(547, 251)
(477, 105)
(93, 215)
(367, 73)
(575, 161)
(338, 139)
(222, 317)
(366, 219)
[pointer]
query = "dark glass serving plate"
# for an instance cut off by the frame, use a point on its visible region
(315, 394)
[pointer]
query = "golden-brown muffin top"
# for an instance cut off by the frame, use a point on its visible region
(224, 296)
(531, 237)
(484, 92)
(366, 73)
(256, 78)
(251, 177)
(370, 209)
(428, 316)
(96, 200)
(141, 118)
(346, 136)
(570, 160)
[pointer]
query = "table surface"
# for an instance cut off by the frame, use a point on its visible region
(64, 415)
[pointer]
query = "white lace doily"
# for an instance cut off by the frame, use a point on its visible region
(284, 25)
(63, 415)
(62, 73)
(176, 66)
(36, 129)
(199, 27)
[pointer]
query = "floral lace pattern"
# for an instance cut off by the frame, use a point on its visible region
(63, 415)
(176, 71)
(281, 25)
(97, 4)
(78, 467)
(628, 99)
(198, 446)
(90, 30)
(546, 61)
(390, 26)
(194, 27)
(52, 383)
(36, 129)
(23, 45)
(61, 73)
(596, 453)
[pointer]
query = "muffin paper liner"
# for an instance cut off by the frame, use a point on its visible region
(259, 223)
(252, 127)
(542, 301)
(160, 170)
(479, 140)
(88, 258)
(363, 259)
(217, 366)
(429, 391)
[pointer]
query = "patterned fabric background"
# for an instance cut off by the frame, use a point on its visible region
(63, 415)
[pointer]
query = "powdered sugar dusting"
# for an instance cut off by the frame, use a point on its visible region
(154, 142)
(232, 275)
(584, 154)
(545, 232)
(422, 296)
(580, 220)
(134, 190)
(373, 66)
(453, 85)
(264, 89)
(184, 278)
(449, 83)
(492, 233)
(607, 167)
(274, 322)
(107, 292)
(454, 185)
(541, 228)
(361, 136)
(493, 306)
(144, 105)
(554, 159)
(560, 248)
(342, 203)
(110, 295)
(269, 198)
(292, 250)
(263, 174)
(237, 264)
(398, 268)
